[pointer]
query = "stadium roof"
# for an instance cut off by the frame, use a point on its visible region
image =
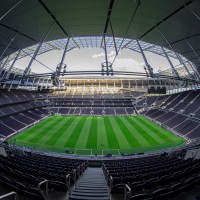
(174, 24)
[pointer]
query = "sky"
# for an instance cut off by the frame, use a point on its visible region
(90, 59)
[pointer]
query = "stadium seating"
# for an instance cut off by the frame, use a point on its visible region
(149, 178)
(170, 110)
(23, 174)
(179, 112)
(153, 178)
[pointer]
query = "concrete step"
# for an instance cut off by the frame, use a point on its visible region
(92, 186)
(88, 198)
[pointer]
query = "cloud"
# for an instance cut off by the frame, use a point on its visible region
(98, 55)
(111, 54)
(142, 64)
(126, 64)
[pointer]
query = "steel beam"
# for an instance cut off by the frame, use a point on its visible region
(10, 9)
(113, 38)
(59, 67)
(12, 65)
(191, 11)
(194, 69)
(166, 18)
(176, 54)
(134, 13)
(27, 70)
(106, 54)
(150, 70)
(183, 63)
(160, 22)
(172, 66)
(17, 31)
(189, 44)
(56, 21)
(7, 46)
(107, 20)
(65, 51)
(3, 64)
(170, 62)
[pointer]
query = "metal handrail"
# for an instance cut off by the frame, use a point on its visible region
(107, 175)
(74, 175)
(46, 182)
(10, 194)
(127, 192)
(68, 182)
(83, 167)
(111, 183)
(79, 171)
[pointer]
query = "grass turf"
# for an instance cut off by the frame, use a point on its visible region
(87, 135)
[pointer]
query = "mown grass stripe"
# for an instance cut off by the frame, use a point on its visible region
(36, 132)
(92, 136)
(165, 134)
(143, 132)
(138, 136)
(127, 133)
(111, 131)
(101, 134)
(59, 133)
(32, 131)
(46, 133)
(82, 140)
(120, 135)
(68, 131)
(75, 135)
(112, 140)
(150, 132)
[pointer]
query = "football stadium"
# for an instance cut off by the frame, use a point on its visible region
(99, 99)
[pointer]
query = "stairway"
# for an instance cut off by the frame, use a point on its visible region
(92, 186)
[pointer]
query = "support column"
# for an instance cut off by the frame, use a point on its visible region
(198, 17)
(106, 53)
(60, 65)
(10, 9)
(196, 71)
(150, 69)
(12, 65)
(4, 63)
(196, 74)
(107, 65)
(27, 70)
(181, 62)
(177, 55)
(172, 66)
(115, 45)
(56, 74)
(192, 12)
(7, 46)
(170, 62)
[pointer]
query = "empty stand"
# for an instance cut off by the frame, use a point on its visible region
(152, 178)
(24, 175)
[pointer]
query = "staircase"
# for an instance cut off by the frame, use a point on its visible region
(92, 186)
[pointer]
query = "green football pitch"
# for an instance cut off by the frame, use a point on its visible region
(85, 135)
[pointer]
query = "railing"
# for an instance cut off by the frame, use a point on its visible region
(18, 149)
(45, 194)
(68, 182)
(74, 175)
(14, 194)
(127, 192)
(111, 183)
